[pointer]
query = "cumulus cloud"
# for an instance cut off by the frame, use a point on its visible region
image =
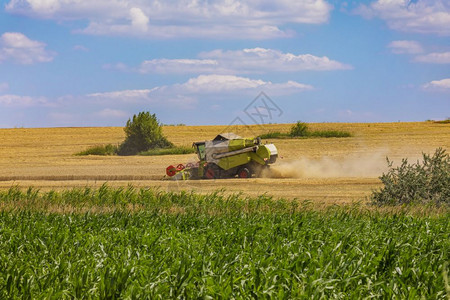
(212, 85)
(422, 16)
(205, 84)
(139, 20)
(188, 94)
(405, 47)
(255, 19)
(17, 47)
(22, 101)
(434, 58)
(169, 66)
(80, 48)
(246, 61)
(114, 106)
(415, 48)
(108, 113)
(125, 95)
(438, 85)
(160, 96)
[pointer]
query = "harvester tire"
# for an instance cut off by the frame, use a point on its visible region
(244, 173)
(212, 172)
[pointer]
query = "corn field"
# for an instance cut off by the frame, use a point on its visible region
(129, 243)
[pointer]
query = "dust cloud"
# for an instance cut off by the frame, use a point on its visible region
(354, 165)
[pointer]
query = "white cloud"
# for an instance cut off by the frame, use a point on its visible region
(434, 58)
(188, 94)
(256, 19)
(139, 20)
(413, 47)
(125, 95)
(17, 47)
(211, 85)
(422, 16)
(22, 101)
(80, 48)
(405, 47)
(179, 66)
(159, 96)
(256, 60)
(205, 84)
(108, 113)
(219, 83)
(438, 85)
(112, 106)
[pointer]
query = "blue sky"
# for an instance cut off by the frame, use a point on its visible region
(96, 63)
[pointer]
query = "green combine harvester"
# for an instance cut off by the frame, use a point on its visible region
(226, 156)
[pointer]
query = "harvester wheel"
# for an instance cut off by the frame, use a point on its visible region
(212, 172)
(244, 173)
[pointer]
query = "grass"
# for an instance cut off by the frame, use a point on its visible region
(447, 121)
(152, 244)
(301, 130)
(274, 135)
(99, 150)
(112, 150)
(329, 133)
(169, 151)
(309, 134)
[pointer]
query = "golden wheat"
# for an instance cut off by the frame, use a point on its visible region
(333, 170)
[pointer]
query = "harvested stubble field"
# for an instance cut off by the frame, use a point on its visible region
(327, 170)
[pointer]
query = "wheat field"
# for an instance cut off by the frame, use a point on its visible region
(325, 170)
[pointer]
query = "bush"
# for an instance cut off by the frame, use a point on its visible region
(299, 129)
(446, 121)
(426, 182)
(143, 132)
(329, 133)
(100, 150)
(273, 135)
(169, 151)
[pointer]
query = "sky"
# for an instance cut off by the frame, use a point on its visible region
(199, 62)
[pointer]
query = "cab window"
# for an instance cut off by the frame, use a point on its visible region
(201, 151)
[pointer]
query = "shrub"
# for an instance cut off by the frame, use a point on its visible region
(100, 150)
(169, 151)
(299, 129)
(273, 135)
(143, 132)
(426, 182)
(329, 133)
(446, 121)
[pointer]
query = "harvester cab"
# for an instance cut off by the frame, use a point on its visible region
(226, 156)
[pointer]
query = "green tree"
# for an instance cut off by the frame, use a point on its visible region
(143, 132)
(299, 129)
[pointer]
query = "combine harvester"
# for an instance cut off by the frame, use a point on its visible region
(226, 156)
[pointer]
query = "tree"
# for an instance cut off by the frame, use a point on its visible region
(143, 132)
(299, 129)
